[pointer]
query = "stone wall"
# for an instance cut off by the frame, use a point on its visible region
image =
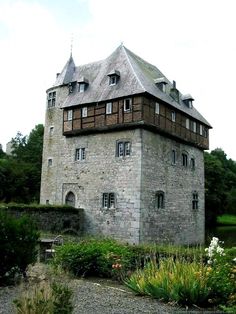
(177, 222)
(55, 221)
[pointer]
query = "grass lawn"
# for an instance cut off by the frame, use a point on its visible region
(226, 219)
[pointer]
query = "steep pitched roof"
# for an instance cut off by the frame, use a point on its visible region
(136, 76)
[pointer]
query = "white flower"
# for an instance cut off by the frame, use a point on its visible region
(234, 260)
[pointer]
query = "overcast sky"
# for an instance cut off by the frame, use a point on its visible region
(191, 41)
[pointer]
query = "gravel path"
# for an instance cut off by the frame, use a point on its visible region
(97, 296)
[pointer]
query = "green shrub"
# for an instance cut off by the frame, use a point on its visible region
(45, 298)
(18, 240)
(105, 258)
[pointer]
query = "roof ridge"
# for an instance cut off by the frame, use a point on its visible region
(123, 47)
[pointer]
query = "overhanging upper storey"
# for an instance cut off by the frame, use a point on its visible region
(121, 78)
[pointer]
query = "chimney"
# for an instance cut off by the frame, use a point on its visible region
(174, 93)
(58, 74)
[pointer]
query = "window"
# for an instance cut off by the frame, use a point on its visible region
(51, 130)
(123, 149)
(173, 156)
(201, 129)
(195, 200)
(192, 163)
(49, 162)
(82, 87)
(84, 112)
(184, 160)
(69, 115)
(113, 79)
(173, 116)
(205, 131)
(80, 154)
(157, 108)
(160, 200)
(108, 200)
(109, 108)
(194, 127)
(47, 202)
(51, 99)
(187, 123)
(127, 104)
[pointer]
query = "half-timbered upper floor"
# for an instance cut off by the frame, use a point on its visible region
(124, 91)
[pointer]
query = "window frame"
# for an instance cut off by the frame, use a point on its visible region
(70, 115)
(192, 163)
(108, 200)
(173, 116)
(195, 200)
(173, 156)
(187, 123)
(50, 162)
(157, 108)
(123, 148)
(84, 112)
(80, 154)
(113, 79)
(109, 108)
(51, 98)
(160, 200)
(130, 104)
(184, 159)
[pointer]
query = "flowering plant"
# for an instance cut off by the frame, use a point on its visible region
(214, 250)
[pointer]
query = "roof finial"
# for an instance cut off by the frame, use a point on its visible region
(71, 45)
(122, 43)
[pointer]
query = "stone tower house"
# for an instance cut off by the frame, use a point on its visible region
(125, 145)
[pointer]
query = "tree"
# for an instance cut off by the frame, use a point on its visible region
(20, 173)
(220, 185)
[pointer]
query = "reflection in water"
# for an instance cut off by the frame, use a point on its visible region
(224, 233)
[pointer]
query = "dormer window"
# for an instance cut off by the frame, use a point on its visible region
(188, 100)
(113, 77)
(83, 84)
(82, 87)
(161, 83)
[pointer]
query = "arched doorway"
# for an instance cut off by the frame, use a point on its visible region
(70, 199)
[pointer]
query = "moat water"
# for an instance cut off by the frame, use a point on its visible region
(227, 234)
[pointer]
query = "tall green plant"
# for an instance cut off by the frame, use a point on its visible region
(172, 280)
(18, 241)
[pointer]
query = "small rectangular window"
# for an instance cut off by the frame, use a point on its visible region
(201, 129)
(160, 200)
(80, 154)
(49, 162)
(51, 99)
(205, 132)
(69, 115)
(173, 116)
(194, 127)
(173, 156)
(112, 80)
(184, 160)
(108, 200)
(84, 112)
(81, 87)
(123, 149)
(195, 200)
(127, 105)
(109, 108)
(192, 163)
(187, 124)
(157, 108)
(51, 130)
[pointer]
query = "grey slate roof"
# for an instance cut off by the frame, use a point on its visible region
(136, 76)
